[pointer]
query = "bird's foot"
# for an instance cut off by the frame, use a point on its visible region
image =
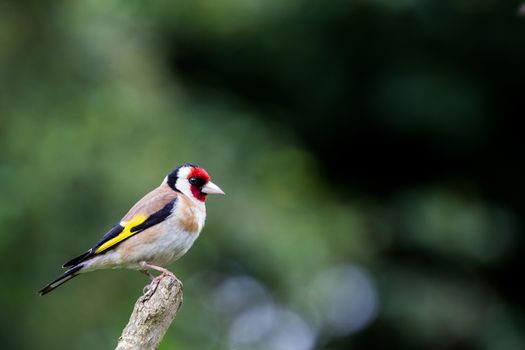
(152, 286)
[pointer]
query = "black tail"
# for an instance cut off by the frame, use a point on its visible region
(77, 260)
(63, 278)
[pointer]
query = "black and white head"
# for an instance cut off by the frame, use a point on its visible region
(193, 181)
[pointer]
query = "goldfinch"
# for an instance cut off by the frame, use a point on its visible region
(159, 229)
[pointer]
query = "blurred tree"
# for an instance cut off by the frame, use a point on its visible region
(368, 148)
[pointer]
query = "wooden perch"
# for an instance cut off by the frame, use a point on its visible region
(152, 316)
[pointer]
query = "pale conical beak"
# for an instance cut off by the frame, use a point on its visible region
(211, 188)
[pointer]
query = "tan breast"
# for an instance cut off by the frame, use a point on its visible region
(188, 215)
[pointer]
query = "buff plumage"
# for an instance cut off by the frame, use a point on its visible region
(156, 231)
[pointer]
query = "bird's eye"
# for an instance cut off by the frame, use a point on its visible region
(195, 181)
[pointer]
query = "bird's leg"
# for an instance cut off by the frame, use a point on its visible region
(149, 275)
(155, 280)
(163, 272)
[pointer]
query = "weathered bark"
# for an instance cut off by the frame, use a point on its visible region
(152, 316)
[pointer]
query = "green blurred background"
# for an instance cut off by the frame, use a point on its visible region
(368, 149)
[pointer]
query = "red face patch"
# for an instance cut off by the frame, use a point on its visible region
(201, 178)
(199, 173)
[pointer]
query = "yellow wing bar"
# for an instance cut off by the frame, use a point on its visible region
(126, 232)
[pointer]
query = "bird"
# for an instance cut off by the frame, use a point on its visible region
(159, 229)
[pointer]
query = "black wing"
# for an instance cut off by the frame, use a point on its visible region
(116, 230)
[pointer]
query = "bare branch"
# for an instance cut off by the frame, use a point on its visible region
(152, 316)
